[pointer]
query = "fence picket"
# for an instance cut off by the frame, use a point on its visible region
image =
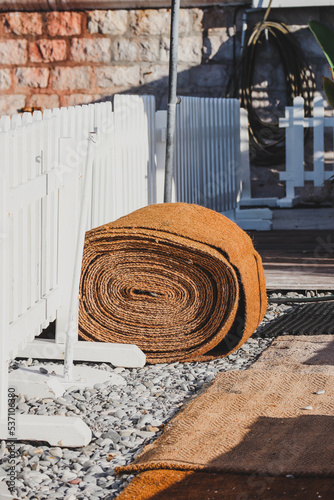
(133, 153)
(15, 220)
(295, 174)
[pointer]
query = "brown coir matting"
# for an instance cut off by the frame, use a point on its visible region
(180, 281)
(251, 422)
(299, 354)
(188, 485)
(264, 433)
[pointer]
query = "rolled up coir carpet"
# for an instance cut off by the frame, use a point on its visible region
(180, 281)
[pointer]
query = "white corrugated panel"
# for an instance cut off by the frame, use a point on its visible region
(207, 152)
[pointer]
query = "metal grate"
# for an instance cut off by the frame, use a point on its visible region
(308, 319)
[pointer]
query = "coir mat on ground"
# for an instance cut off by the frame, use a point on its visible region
(263, 422)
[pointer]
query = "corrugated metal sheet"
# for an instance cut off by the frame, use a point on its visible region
(207, 152)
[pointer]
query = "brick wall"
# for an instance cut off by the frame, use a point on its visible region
(67, 58)
(51, 59)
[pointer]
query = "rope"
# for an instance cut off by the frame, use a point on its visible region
(267, 140)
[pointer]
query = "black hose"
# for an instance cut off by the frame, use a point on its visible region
(267, 140)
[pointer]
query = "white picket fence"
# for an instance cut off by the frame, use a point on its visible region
(43, 158)
(295, 173)
(42, 167)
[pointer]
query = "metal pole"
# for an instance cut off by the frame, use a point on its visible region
(172, 100)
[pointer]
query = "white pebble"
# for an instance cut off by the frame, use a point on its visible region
(122, 417)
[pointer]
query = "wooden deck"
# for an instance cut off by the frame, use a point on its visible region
(298, 254)
(296, 259)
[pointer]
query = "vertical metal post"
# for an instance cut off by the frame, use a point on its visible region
(172, 100)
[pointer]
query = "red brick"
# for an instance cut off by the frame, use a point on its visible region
(47, 51)
(63, 23)
(23, 23)
(32, 77)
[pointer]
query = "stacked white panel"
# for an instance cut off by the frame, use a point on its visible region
(295, 174)
(207, 152)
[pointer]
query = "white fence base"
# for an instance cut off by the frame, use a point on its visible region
(69, 432)
(30, 382)
(288, 202)
(254, 219)
(255, 224)
(125, 355)
(258, 202)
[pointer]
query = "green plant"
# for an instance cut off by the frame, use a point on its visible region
(325, 38)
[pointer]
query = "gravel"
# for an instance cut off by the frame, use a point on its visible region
(123, 419)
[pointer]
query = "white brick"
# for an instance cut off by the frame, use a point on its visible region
(11, 104)
(91, 49)
(32, 77)
(76, 99)
(44, 101)
(125, 49)
(150, 22)
(5, 79)
(189, 49)
(108, 22)
(218, 46)
(13, 52)
(67, 78)
(117, 76)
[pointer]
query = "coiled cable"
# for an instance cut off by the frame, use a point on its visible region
(267, 140)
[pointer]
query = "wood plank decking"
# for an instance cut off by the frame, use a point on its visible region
(298, 254)
(296, 259)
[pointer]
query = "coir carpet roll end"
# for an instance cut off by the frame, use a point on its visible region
(180, 281)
